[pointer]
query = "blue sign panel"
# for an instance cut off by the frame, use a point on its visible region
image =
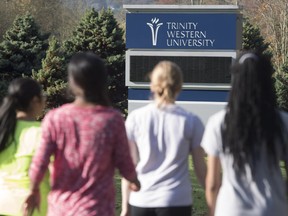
(185, 95)
(181, 31)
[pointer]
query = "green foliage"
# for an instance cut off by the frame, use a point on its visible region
(97, 32)
(281, 85)
(253, 40)
(101, 34)
(22, 49)
(3, 82)
(52, 76)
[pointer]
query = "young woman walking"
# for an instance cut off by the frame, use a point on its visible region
(88, 141)
(247, 140)
(19, 138)
(162, 135)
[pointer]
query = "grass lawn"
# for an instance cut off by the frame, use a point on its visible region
(199, 204)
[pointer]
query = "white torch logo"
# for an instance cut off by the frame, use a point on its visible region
(154, 26)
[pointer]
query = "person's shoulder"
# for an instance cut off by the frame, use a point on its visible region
(115, 113)
(186, 114)
(142, 111)
(31, 126)
(147, 107)
(22, 123)
(217, 118)
(56, 112)
(183, 111)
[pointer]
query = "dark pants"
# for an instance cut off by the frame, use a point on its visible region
(166, 211)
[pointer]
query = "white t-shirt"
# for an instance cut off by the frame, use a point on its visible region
(264, 195)
(164, 139)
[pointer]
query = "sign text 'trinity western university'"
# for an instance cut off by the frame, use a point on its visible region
(181, 31)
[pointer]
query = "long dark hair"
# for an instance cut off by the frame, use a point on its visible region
(89, 73)
(252, 120)
(20, 93)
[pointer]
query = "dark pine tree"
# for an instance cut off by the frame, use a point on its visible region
(52, 76)
(3, 79)
(253, 40)
(281, 85)
(101, 34)
(22, 49)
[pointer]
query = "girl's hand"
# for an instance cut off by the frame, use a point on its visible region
(135, 185)
(32, 202)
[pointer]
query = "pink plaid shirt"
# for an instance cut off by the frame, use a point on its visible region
(87, 145)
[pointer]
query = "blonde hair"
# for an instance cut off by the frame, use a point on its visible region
(166, 82)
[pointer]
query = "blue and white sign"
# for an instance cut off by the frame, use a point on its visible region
(181, 31)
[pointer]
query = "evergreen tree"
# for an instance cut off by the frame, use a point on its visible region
(253, 40)
(3, 80)
(22, 49)
(101, 34)
(281, 85)
(52, 76)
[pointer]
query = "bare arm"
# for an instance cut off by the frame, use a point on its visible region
(125, 185)
(199, 164)
(213, 182)
(125, 197)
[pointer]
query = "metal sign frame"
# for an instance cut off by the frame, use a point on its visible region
(205, 86)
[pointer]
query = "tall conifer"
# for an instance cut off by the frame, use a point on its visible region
(281, 84)
(53, 76)
(253, 40)
(101, 34)
(22, 49)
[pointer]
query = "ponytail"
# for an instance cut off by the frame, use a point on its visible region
(165, 93)
(167, 82)
(7, 122)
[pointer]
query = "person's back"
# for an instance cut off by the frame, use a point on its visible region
(162, 135)
(14, 165)
(257, 193)
(165, 138)
(18, 112)
(248, 140)
(88, 141)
